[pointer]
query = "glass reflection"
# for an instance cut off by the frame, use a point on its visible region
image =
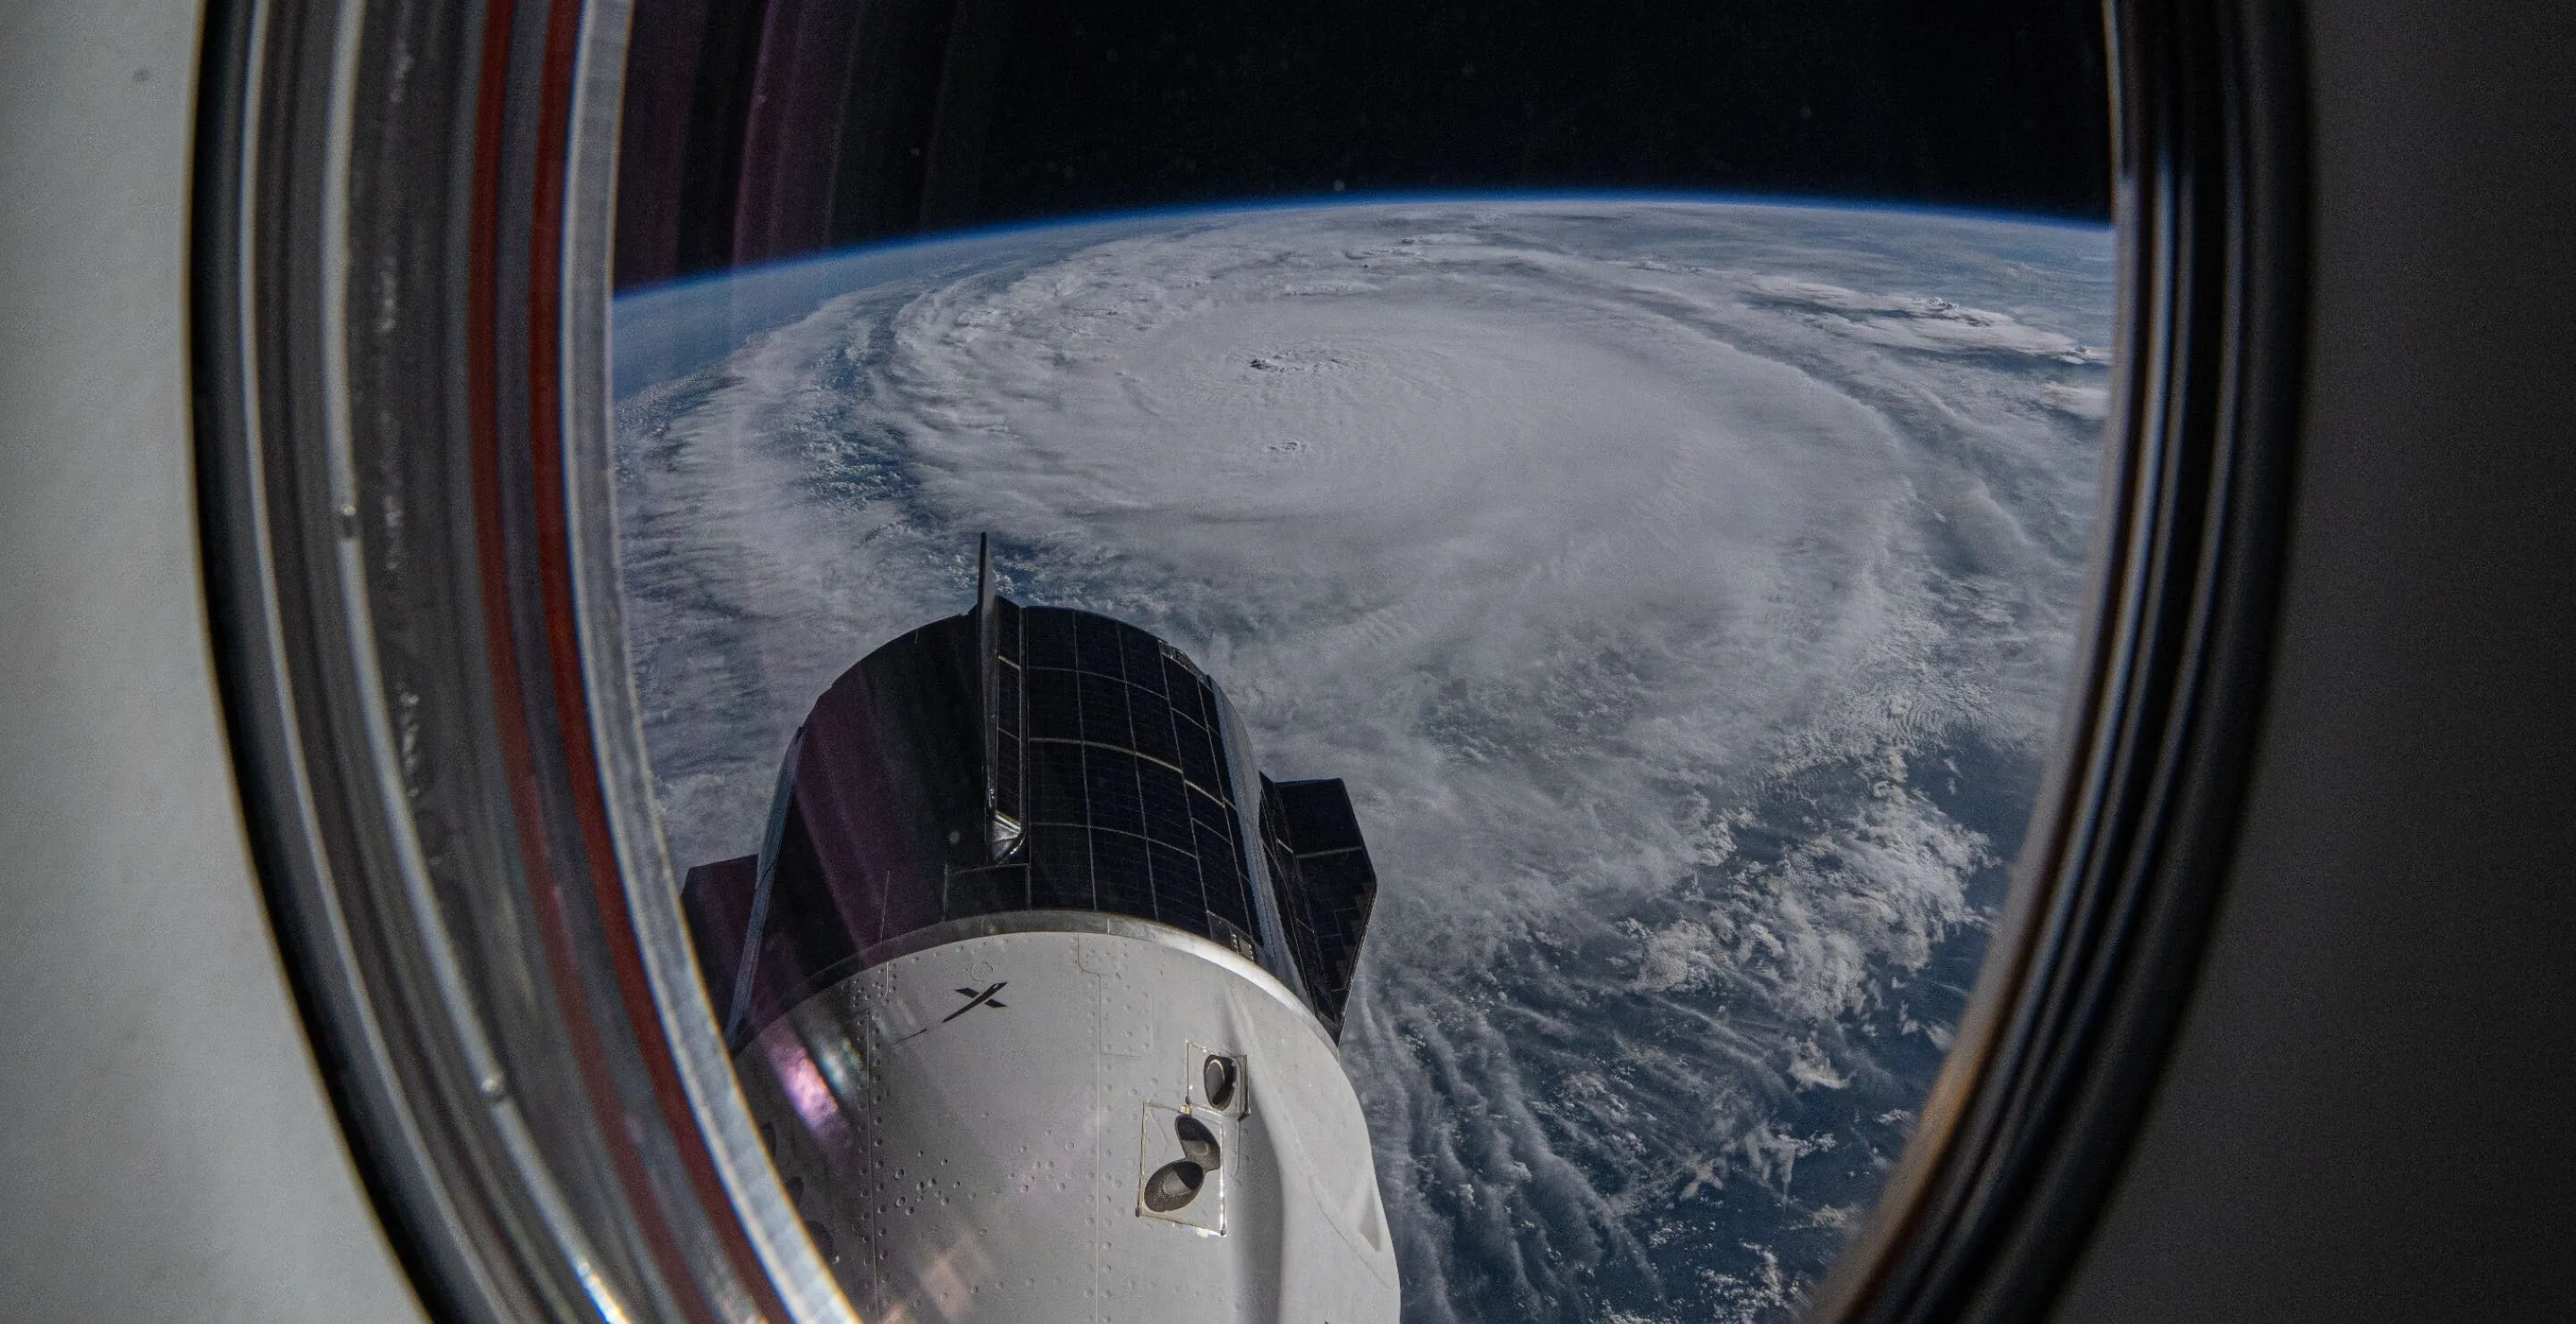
(1681, 592)
(1679, 589)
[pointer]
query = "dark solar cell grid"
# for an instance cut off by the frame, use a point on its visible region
(1006, 707)
(1167, 806)
(1326, 883)
(1178, 900)
(1104, 711)
(1106, 749)
(1055, 783)
(1209, 812)
(1199, 760)
(1143, 659)
(1119, 871)
(1152, 716)
(1096, 643)
(1054, 712)
(1222, 874)
(1050, 637)
(987, 892)
(1248, 799)
(1007, 749)
(1059, 868)
(1110, 777)
(1342, 884)
(1006, 785)
(1184, 689)
(1227, 897)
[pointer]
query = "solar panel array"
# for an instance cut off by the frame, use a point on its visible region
(1112, 758)
(1109, 790)
(1325, 882)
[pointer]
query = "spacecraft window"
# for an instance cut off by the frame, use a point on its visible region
(1651, 468)
(1738, 634)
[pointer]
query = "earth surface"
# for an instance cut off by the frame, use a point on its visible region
(1685, 590)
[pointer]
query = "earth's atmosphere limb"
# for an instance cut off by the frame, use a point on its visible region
(1684, 589)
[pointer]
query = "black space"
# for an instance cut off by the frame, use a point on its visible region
(1995, 104)
(758, 129)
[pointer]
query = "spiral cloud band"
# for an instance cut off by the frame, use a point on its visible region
(1684, 589)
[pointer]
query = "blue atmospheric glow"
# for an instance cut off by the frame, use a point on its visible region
(1210, 211)
(673, 328)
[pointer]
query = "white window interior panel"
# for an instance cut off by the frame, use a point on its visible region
(169, 1152)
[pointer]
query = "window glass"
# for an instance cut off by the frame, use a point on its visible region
(1642, 459)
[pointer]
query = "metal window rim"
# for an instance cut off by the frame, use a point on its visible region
(432, 719)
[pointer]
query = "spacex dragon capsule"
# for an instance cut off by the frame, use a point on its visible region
(1035, 987)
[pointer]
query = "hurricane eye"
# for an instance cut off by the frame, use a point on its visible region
(813, 598)
(1502, 576)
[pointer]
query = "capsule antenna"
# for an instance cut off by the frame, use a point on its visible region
(984, 580)
(988, 686)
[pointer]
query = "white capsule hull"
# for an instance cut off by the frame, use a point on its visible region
(970, 1127)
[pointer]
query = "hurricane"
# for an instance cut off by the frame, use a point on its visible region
(1685, 589)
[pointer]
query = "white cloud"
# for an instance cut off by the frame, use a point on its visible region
(1625, 562)
(1924, 322)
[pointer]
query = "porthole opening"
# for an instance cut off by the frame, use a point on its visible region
(1571, 593)
(1198, 1143)
(1217, 1079)
(1173, 1186)
(1556, 601)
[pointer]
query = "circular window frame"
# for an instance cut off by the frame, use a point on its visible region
(2057, 1057)
(402, 230)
